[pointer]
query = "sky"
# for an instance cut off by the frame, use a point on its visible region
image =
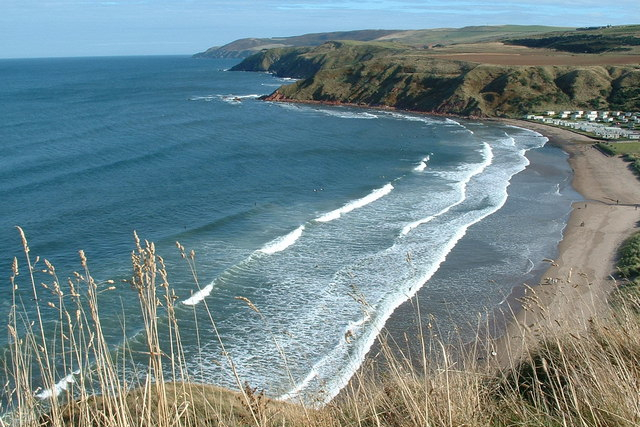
(66, 28)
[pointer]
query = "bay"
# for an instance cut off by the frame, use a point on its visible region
(325, 218)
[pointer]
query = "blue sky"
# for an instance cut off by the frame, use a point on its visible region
(44, 28)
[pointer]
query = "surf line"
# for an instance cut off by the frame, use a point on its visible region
(352, 359)
(487, 160)
(199, 296)
(355, 204)
(277, 245)
(59, 387)
(448, 120)
(281, 243)
(423, 164)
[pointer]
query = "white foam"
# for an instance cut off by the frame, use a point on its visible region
(348, 114)
(448, 120)
(236, 99)
(282, 79)
(526, 129)
(487, 154)
(290, 106)
(320, 357)
(252, 96)
(199, 296)
(530, 266)
(409, 227)
(232, 99)
(295, 392)
(412, 118)
(423, 164)
(510, 140)
(316, 369)
(58, 388)
(283, 242)
(386, 287)
(370, 198)
(206, 98)
(386, 308)
(338, 112)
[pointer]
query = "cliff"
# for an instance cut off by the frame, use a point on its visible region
(391, 75)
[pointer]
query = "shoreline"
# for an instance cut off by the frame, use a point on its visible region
(574, 289)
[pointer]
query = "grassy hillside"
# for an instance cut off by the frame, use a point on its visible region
(393, 75)
(587, 40)
(245, 47)
(441, 36)
(472, 34)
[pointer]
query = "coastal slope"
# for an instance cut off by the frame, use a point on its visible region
(480, 80)
(438, 36)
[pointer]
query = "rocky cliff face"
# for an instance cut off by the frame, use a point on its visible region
(411, 79)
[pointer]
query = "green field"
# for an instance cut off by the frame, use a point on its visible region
(620, 148)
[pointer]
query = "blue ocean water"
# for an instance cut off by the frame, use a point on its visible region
(326, 218)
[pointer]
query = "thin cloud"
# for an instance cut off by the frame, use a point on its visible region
(462, 7)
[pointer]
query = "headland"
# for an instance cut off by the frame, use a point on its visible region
(506, 78)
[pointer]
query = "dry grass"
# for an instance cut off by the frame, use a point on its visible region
(565, 380)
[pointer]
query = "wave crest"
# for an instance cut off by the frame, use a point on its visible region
(487, 154)
(423, 164)
(199, 296)
(370, 198)
(283, 242)
(59, 387)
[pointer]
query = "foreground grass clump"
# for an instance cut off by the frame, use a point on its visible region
(568, 378)
(103, 385)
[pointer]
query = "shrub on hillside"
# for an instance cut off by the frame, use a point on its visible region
(629, 263)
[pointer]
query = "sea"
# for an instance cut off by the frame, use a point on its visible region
(327, 219)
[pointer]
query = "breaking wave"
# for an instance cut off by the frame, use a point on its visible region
(283, 242)
(370, 198)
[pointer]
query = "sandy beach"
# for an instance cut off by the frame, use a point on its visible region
(575, 287)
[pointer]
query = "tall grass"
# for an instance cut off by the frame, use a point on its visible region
(563, 379)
